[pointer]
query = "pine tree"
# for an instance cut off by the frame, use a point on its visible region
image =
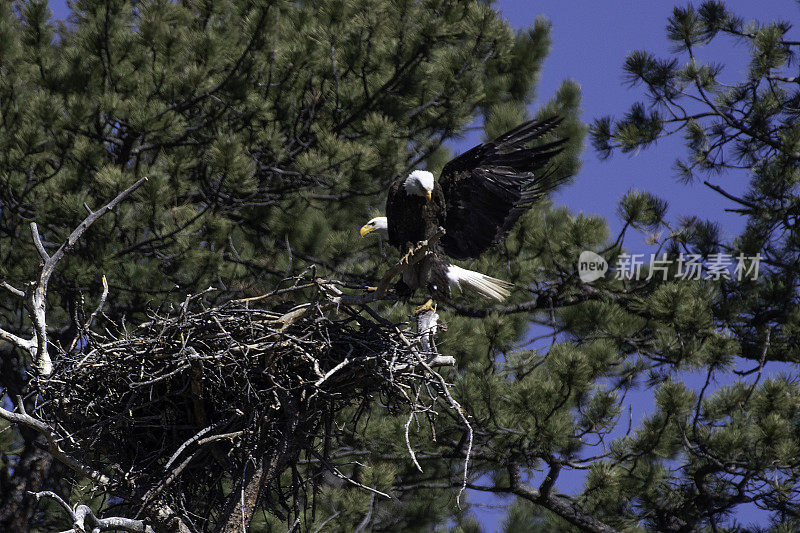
(737, 445)
(269, 132)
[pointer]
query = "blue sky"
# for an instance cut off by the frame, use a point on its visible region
(590, 42)
(591, 39)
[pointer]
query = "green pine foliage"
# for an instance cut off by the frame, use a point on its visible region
(704, 452)
(269, 132)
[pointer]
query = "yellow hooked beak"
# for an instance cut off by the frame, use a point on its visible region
(367, 229)
(427, 196)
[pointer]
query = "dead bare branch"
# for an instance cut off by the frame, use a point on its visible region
(35, 294)
(83, 518)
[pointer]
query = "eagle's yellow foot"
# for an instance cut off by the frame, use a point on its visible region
(372, 289)
(407, 257)
(427, 306)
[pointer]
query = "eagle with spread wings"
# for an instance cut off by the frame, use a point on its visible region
(477, 199)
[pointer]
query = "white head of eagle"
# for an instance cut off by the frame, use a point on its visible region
(379, 225)
(420, 183)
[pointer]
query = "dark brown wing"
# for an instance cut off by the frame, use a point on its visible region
(489, 187)
(396, 215)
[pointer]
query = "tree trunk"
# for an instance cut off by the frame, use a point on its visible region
(243, 500)
(30, 474)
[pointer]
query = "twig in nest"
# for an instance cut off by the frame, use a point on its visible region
(453, 403)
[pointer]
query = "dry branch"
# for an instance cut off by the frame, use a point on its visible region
(35, 294)
(83, 518)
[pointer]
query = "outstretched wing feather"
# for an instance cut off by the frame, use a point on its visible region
(488, 188)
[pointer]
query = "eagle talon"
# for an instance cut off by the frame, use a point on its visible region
(427, 306)
(407, 257)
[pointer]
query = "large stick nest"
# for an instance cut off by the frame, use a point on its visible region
(183, 400)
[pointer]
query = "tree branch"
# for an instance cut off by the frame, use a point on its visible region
(557, 504)
(24, 419)
(36, 293)
(78, 232)
(83, 516)
(729, 196)
(13, 290)
(19, 342)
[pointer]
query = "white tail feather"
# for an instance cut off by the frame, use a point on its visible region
(484, 285)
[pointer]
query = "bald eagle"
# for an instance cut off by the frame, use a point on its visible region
(478, 198)
(456, 276)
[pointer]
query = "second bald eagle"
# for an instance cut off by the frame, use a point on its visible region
(478, 198)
